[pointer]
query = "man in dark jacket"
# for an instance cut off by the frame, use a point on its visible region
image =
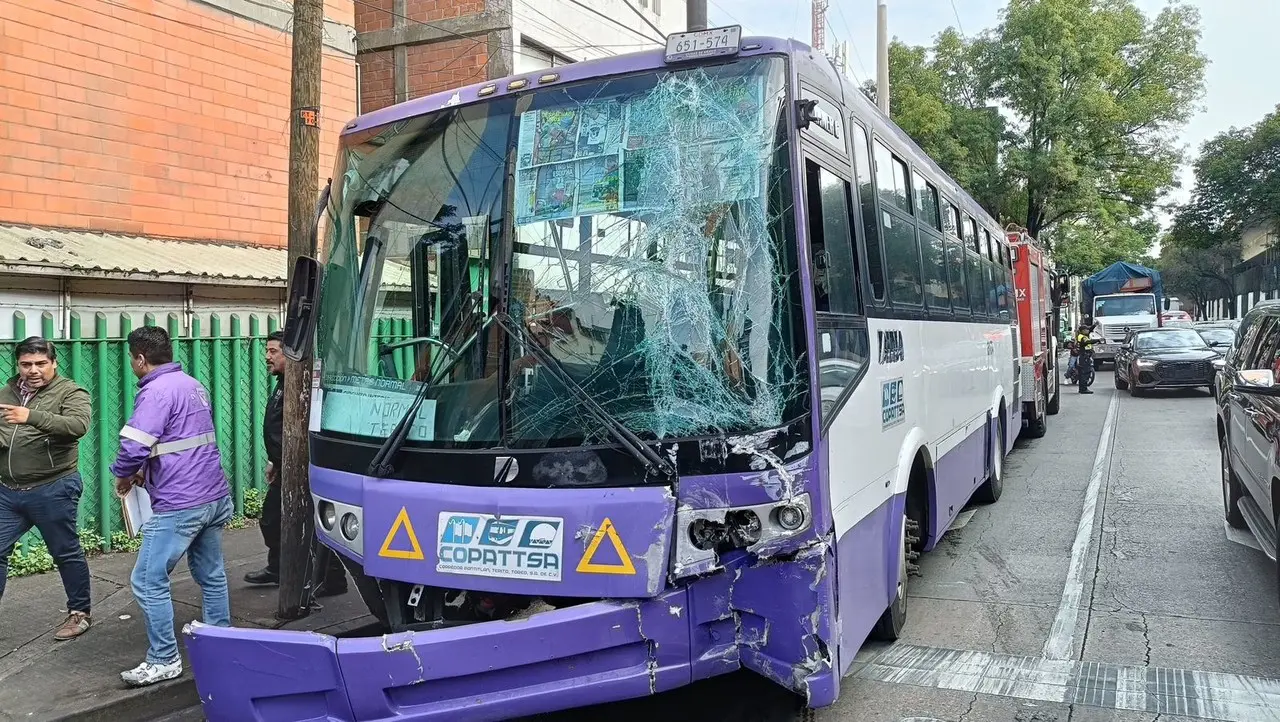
(42, 417)
(335, 581)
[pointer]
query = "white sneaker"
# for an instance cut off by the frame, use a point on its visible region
(148, 673)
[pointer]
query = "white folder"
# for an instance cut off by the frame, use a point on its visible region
(136, 506)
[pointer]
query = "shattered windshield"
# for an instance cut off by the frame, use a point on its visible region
(639, 229)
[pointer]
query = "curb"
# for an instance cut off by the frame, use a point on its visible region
(142, 704)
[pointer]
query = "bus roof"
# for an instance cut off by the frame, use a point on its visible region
(852, 96)
(583, 70)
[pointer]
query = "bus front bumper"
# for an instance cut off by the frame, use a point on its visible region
(755, 616)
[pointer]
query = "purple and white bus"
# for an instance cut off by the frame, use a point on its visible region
(631, 373)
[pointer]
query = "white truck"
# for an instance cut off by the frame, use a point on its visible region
(1121, 298)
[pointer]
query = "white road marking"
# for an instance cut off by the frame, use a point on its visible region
(1160, 690)
(1240, 536)
(1062, 635)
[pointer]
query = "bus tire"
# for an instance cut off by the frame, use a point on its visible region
(889, 627)
(989, 492)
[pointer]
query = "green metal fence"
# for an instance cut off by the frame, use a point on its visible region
(227, 361)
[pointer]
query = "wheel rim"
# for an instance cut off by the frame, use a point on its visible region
(997, 463)
(902, 562)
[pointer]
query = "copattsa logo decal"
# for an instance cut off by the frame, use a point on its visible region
(510, 547)
(891, 347)
(893, 407)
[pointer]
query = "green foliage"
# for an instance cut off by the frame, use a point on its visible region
(1199, 274)
(237, 522)
(1091, 95)
(35, 561)
(253, 498)
(122, 542)
(1237, 185)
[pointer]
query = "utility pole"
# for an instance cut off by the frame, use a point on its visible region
(296, 526)
(695, 14)
(882, 57)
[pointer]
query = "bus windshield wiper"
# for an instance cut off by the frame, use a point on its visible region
(652, 461)
(381, 465)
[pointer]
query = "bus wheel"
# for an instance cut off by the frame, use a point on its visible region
(989, 492)
(889, 627)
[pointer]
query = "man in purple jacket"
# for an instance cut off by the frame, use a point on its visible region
(168, 447)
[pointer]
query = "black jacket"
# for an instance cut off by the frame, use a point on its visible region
(273, 424)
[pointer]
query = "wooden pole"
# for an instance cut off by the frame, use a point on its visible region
(297, 528)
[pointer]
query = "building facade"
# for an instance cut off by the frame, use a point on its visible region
(144, 152)
(411, 48)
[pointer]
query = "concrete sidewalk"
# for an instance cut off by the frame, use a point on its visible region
(45, 680)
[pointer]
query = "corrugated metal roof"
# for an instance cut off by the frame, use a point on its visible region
(109, 255)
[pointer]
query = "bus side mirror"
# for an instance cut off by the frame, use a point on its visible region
(300, 313)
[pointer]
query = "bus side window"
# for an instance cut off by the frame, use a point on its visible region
(973, 264)
(932, 252)
(956, 272)
(870, 226)
(992, 273)
(902, 254)
(835, 275)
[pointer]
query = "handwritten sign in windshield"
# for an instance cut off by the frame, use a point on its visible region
(367, 406)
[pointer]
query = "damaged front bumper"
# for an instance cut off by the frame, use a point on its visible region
(773, 617)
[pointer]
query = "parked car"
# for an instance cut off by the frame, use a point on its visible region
(1165, 358)
(1218, 335)
(1249, 426)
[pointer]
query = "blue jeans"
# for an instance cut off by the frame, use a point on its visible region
(196, 532)
(51, 508)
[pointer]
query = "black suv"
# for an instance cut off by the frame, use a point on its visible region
(1165, 358)
(1249, 426)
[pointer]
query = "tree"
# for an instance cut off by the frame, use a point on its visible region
(1199, 274)
(1237, 185)
(1109, 234)
(1091, 95)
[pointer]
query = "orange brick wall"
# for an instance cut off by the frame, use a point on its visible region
(446, 64)
(156, 117)
(432, 67)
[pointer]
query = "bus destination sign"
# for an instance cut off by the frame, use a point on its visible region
(703, 43)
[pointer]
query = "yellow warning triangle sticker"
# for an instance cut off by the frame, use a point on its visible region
(587, 566)
(402, 520)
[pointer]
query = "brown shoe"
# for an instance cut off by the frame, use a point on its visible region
(77, 624)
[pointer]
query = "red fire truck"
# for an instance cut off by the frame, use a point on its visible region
(1036, 298)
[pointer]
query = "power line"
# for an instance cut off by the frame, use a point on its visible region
(612, 20)
(857, 55)
(957, 14)
(646, 20)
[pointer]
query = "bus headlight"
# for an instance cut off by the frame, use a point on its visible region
(328, 515)
(789, 517)
(702, 534)
(340, 523)
(350, 526)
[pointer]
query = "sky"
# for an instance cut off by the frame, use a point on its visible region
(1242, 82)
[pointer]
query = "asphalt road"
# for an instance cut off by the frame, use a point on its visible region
(1026, 614)
(1103, 586)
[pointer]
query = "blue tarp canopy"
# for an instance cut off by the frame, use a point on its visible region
(1113, 279)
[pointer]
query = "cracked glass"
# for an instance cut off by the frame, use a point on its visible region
(640, 229)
